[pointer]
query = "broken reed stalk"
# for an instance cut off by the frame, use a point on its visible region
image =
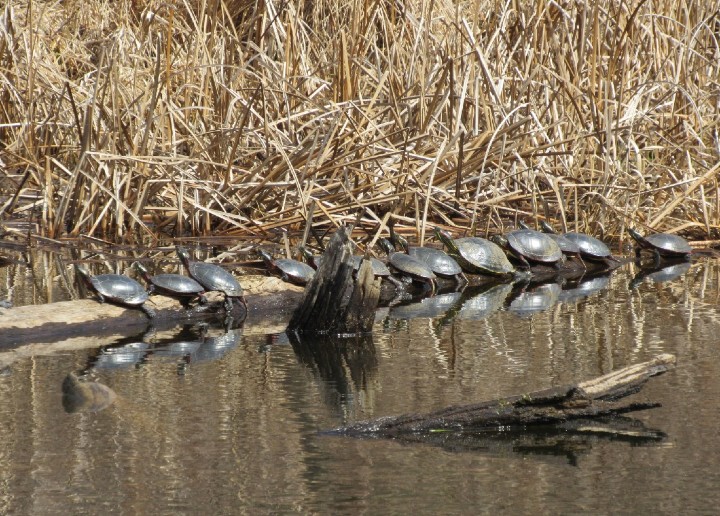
(242, 115)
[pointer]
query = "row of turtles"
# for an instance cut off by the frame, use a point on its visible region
(473, 255)
(203, 277)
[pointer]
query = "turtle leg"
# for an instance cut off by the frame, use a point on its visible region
(148, 311)
(398, 284)
(638, 252)
(201, 297)
(461, 280)
(228, 304)
(656, 258)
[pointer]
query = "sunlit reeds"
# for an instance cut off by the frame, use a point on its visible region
(208, 118)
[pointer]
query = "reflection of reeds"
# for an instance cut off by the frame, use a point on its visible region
(231, 119)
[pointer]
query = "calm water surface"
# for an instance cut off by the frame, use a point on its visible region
(231, 425)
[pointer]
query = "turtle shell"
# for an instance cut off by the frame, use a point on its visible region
(379, 268)
(120, 289)
(297, 272)
(176, 284)
(438, 261)
(590, 247)
(479, 255)
(410, 266)
(534, 245)
(214, 277)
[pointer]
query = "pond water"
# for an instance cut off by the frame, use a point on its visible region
(233, 423)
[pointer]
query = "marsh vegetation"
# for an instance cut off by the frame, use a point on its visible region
(128, 118)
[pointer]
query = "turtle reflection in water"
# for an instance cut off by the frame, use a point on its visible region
(661, 275)
(538, 299)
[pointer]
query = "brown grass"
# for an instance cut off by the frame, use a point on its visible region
(125, 118)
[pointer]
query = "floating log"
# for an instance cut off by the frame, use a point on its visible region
(594, 398)
(335, 302)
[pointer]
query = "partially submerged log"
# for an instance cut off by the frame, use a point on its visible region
(594, 398)
(335, 302)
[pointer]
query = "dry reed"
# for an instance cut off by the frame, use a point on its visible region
(126, 118)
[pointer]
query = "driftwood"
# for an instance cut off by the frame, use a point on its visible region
(335, 302)
(594, 398)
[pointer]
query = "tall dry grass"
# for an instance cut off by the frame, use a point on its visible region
(202, 117)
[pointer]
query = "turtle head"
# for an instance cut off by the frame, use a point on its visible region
(83, 273)
(444, 237)
(546, 228)
(183, 254)
(402, 242)
(499, 240)
(386, 246)
(636, 236)
(523, 225)
(142, 270)
(309, 258)
(265, 256)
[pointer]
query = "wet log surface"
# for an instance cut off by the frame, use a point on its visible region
(599, 397)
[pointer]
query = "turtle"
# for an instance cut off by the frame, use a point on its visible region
(408, 267)
(288, 269)
(477, 255)
(177, 286)
(213, 277)
(661, 245)
(117, 289)
(313, 260)
(591, 248)
(379, 269)
(567, 246)
(530, 246)
(437, 260)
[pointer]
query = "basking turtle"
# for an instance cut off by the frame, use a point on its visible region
(313, 260)
(567, 246)
(530, 246)
(213, 277)
(288, 269)
(408, 267)
(661, 245)
(591, 248)
(477, 255)
(117, 289)
(437, 260)
(183, 288)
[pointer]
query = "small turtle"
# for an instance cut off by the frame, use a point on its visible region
(530, 246)
(177, 286)
(117, 289)
(439, 261)
(661, 245)
(288, 269)
(313, 260)
(213, 277)
(591, 248)
(408, 267)
(477, 255)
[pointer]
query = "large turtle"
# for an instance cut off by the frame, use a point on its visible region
(437, 260)
(213, 277)
(477, 255)
(530, 246)
(408, 267)
(117, 289)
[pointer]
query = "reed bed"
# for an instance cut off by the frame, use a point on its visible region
(133, 119)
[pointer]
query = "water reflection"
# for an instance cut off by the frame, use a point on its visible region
(569, 440)
(669, 272)
(573, 292)
(484, 301)
(347, 364)
(79, 395)
(529, 300)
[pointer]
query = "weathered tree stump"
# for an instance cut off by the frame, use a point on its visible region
(593, 398)
(335, 302)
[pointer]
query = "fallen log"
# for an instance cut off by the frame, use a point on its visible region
(594, 398)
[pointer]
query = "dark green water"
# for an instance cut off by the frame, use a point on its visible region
(233, 426)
